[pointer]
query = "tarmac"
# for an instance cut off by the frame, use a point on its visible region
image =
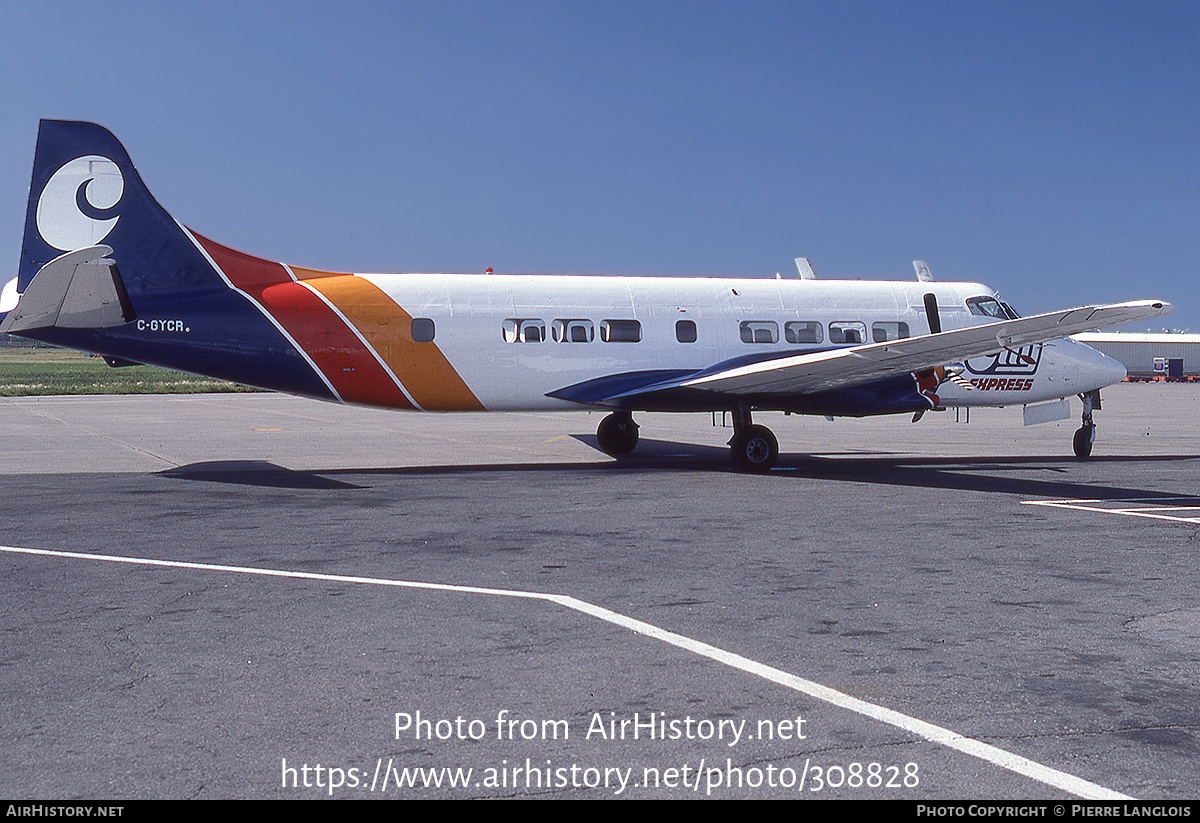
(257, 596)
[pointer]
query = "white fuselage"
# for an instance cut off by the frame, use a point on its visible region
(515, 338)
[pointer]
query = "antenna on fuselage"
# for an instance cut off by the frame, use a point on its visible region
(923, 272)
(805, 268)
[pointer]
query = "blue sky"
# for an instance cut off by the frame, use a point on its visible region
(1049, 150)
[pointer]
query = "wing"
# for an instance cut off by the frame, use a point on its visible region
(801, 374)
(840, 368)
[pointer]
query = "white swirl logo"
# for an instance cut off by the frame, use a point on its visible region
(9, 296)
(77, 206)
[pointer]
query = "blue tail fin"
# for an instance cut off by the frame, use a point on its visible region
(85, 191)
(130, 282)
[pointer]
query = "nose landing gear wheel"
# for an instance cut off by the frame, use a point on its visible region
(755, 449)
(1084, 437)
(1086, 434)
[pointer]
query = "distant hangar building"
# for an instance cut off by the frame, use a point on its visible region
(1150, 356)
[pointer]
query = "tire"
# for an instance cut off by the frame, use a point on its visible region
(1083, 441)
(617, 434)
(755, 449)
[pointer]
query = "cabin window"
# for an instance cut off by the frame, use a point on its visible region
(759, 331)
(528, 330)
(573, 331)
(987, 307)
(685, 331)
(803, 331)
(883, 332)
(620, 331)
(422, 330)
(847, 332)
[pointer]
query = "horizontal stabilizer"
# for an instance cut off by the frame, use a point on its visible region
(81, 289)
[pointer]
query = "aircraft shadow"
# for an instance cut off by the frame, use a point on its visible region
(976, 475)
(988, 474)
(254, 473)
(991, 474)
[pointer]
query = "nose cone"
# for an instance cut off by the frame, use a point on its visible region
(1096, 369)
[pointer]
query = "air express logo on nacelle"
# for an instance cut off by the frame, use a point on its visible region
(1002, 383)
(1008, 362)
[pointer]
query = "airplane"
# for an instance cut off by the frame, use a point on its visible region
(105, 269)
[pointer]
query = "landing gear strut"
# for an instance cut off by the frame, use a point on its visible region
(617, 433)
(754, 448)
(1086, 434)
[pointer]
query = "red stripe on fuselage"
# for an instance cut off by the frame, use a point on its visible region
(337, 351)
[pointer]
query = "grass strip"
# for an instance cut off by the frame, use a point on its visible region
(39, 371)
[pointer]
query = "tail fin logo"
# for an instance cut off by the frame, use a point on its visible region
(77, 207)
(9, 296)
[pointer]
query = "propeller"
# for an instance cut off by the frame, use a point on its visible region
(928, 382)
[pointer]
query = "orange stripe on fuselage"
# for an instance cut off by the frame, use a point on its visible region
(420, 367)
(336, 350)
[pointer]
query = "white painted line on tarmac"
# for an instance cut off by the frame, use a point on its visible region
(935, 734)
(1122, 506)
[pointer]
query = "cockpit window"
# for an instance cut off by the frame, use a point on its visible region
(987, 307)
(1009, 310)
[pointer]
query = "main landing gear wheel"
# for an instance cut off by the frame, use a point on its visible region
(755, 449)
(617, 434)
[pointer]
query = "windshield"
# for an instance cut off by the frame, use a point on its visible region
(991, 307)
